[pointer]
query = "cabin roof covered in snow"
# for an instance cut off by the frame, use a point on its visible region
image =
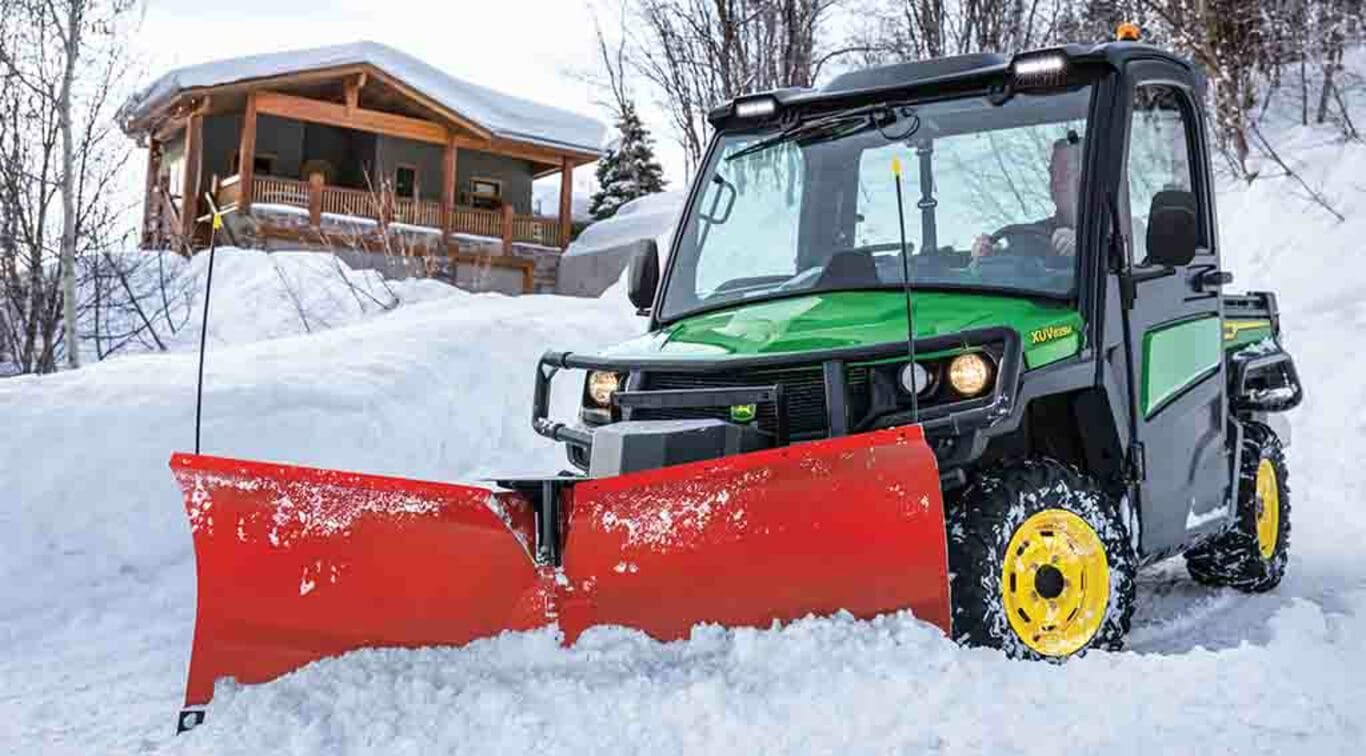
(501, 114)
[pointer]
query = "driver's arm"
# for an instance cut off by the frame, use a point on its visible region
(981, 246)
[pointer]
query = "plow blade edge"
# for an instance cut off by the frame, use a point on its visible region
(295, 564)
(853, 523)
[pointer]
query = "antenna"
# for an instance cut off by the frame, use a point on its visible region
(204, 324)
(906, 288)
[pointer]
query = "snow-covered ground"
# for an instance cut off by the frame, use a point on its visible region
(98, 597)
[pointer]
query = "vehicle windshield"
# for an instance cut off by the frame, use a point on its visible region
(989, 198)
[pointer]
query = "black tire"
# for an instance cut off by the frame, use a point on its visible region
(984, 518)
(1234, 558)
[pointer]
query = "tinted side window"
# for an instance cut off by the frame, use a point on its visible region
(1159, 155)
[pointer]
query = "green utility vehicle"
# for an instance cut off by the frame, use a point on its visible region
(1019, 255)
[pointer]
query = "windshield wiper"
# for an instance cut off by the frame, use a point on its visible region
(837, 125)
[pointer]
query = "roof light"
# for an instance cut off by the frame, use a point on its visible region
(1041, 66)
(1128, 32)
(756, 107)
(1039, 70)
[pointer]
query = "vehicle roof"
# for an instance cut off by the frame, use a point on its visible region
(952, 71)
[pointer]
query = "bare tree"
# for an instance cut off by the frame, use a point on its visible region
(696, 54)
(60, 62)
(902, 30)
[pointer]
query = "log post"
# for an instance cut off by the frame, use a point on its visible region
(315, 200)
(246, 154)
(189, 190)
(353, 86)
(386, 205)
(448, 188)
(566, 201)
(151, 205)
(507, 212)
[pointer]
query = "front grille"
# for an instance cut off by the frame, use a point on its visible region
(803, 393)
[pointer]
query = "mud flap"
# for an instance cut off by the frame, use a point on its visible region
(295, 564)
(853, 523)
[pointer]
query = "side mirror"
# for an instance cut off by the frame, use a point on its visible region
(642, 277)
(1173, 229)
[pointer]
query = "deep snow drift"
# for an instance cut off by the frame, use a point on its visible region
(98, 573)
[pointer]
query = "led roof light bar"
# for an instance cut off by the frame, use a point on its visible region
(1047, 65)
(756, 107)
(1039, 70)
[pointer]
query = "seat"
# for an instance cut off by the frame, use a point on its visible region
(848, 270)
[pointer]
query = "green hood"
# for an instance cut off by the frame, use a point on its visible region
(830, 320)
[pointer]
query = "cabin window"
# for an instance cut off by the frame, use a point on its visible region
(485, 193)
(261, 165)
(405, 182)
(482, 187)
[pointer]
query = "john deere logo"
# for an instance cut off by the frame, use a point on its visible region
(743, 413)
(1050, 333)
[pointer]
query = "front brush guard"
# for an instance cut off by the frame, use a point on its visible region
(963, 420)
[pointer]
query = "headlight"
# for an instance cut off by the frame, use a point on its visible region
(969, 374)
(915, 379)
(601, 386)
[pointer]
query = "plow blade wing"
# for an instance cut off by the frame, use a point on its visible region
(853, 523)
(295, 564)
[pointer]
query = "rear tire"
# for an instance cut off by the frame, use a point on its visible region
(1252, 555)
(1042, 564)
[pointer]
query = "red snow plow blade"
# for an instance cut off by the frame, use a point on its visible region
(296, 564)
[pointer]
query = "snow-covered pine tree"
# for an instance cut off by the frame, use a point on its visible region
(629, 169)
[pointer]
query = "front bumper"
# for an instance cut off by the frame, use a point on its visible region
(955, 429)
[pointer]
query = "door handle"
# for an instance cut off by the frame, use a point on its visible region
(1212, 280)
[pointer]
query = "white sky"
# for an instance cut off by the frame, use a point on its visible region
(528, 48)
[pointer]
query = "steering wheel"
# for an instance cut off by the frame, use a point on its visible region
(1023, 240)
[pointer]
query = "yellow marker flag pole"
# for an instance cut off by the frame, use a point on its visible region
(906, 286)
(204, 323)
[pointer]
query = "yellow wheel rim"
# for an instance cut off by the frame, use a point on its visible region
(1268, 509)
(1055, 583)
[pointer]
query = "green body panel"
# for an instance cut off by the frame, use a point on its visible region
(842, 319)
(1243, 331)
(1176, 355)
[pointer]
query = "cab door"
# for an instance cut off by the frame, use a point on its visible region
(1174, 321)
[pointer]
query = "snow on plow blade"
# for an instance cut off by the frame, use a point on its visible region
(296, 564)
(853, 523)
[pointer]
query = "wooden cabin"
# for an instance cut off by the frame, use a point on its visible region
(356, 146)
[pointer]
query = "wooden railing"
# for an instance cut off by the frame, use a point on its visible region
(417, 212)
(357, 203)
(271, 190)
(471, 220)
(536, 229)
(337, 200)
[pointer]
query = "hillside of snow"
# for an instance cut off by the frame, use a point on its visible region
(98, 602)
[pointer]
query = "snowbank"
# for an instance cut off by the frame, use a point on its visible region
(597, 258)
(893, 685)
(256, 296)
(649, 217)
